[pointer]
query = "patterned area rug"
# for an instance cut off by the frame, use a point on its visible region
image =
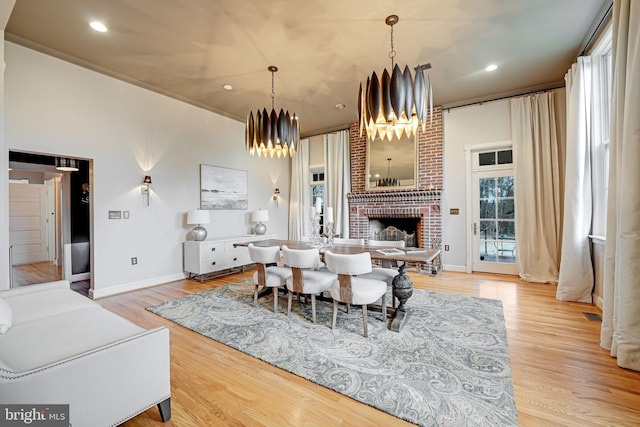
(449, 366)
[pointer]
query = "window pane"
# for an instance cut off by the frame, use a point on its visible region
(505, 209)
(488, 209)
(505, 186)
(506, 230)
(488, 230)
(505, 157)
(486, 159)
(487, 188)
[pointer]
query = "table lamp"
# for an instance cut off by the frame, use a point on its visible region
(197, 217)
(260, 216)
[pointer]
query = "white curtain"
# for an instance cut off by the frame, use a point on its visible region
(300, 197)
(575, 282)
(538, 175)
(338, 178)
(620, 331)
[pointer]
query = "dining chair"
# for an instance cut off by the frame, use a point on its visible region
(351, 287)
(306, 279)
(268, 275)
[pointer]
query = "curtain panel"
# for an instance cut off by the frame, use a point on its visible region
(300, 197)
(538, 172)
(620, 331)
(575, 282)
(337, 168)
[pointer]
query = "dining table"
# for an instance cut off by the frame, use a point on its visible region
(402, 285)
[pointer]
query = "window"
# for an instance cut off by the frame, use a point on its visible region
(317, 190)
(497, 157)
(601, 131)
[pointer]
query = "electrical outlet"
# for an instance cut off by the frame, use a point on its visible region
(134, 260)
(446, 248)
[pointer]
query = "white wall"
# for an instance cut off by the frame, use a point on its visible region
(470, 125)
(56, 107)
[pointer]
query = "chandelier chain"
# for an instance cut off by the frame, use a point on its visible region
(273, 91)
(392, 53)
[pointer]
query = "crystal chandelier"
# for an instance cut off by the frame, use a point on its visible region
(272, 134)
(397, 102)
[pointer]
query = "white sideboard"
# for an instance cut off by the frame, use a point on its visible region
(210, 257)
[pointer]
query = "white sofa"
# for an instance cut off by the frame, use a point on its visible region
(63, 348)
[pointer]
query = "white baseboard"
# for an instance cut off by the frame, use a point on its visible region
(134, 286)
(458, 268)
(597, 301)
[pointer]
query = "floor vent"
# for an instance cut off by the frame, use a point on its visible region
(595, 317)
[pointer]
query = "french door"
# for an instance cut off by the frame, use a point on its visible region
(494, 232)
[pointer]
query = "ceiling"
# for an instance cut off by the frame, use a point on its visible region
(188, 49)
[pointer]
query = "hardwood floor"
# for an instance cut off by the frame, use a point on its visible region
(38, 272)
(561, 375)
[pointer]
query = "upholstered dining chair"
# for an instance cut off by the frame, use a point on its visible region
(268, 275)
(305, 278)
(351, 287)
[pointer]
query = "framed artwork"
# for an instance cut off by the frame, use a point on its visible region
(223, 188)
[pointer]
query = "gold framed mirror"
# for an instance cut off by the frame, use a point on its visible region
(392, 164)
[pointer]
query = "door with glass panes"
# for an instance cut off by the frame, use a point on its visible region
(494, 232)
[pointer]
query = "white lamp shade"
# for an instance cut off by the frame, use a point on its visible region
(198, 216)
(260, 215)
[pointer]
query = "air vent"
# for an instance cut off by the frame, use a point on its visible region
(594, 317)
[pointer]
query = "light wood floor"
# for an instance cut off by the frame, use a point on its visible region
(561, 375)
(37, 272)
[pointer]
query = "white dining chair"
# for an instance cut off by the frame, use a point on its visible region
(306, 279)
(268, 275)
(351, 287)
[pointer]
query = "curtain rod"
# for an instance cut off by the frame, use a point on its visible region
(325, 132)
(514, 95)
(604, 19)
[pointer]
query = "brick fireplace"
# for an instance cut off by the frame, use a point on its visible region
(422, 203)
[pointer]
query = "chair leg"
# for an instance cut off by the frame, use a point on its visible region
(313, 308)
(255, 296)
(384, 307)
(275, 300)
(364, 319)
(289, 303)
(334, 314)
(347, 307)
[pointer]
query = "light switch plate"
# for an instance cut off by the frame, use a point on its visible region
(125, 214)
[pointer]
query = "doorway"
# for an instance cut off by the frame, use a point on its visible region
(50, 221)
(492, 243)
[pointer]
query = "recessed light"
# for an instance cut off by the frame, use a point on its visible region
(98, 26)
(340, 106)
(491, 67)
(227, 87)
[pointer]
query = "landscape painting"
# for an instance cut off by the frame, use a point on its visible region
(223, 188)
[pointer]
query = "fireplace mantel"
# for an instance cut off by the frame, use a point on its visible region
(397, 196)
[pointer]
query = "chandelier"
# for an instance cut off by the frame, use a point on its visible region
(388, 181)
(397, 102)
(272, 134)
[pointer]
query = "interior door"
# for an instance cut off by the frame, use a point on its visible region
(494, 236)
(27, 235)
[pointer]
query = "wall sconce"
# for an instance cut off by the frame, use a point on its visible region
(276, 195)
(146, 183)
